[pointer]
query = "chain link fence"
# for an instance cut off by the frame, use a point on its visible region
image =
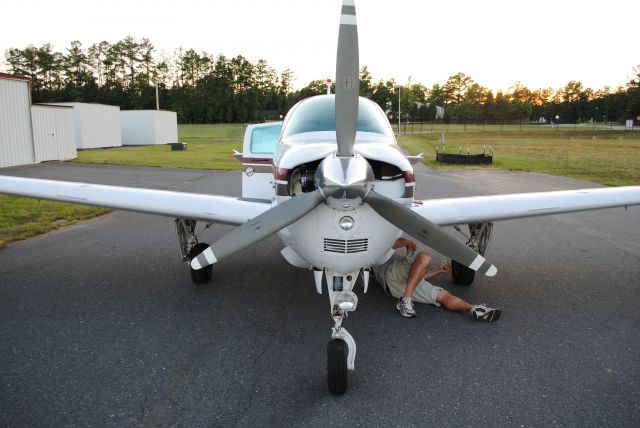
(501, 126)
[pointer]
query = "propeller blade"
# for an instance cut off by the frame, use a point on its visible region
(347, 80)
(258, 228)
(428, 233)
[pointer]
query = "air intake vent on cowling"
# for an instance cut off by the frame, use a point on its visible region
(346, 246)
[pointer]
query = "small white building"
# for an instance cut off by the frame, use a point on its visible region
(148, 127)
(54, 135)
(16, 140)
(96, 125)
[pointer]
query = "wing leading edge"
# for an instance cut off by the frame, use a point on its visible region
(219, 209)
(476, 209)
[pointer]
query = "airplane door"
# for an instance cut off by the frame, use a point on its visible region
(257, 160)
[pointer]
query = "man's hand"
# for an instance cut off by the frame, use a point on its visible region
(407, 243)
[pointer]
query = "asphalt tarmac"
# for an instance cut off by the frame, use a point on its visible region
(100, 324)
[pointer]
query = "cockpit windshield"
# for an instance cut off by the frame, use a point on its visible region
(319, 114)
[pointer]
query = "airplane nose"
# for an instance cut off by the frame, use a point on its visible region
(344, 181)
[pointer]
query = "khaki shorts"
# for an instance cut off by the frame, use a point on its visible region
(397, 275)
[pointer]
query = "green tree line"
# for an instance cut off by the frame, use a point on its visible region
(203, 88)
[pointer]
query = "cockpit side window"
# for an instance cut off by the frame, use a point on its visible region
(264, 139)
(318, 114)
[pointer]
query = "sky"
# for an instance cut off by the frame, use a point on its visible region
(541, 43)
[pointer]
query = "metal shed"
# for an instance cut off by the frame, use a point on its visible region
(96, 125)
(148, 127)
(54, 135)
(16, 140)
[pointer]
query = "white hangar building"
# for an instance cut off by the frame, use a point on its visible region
(96, 125)
(148, 127)
(54, 135)
(31, 134)
(16, 141)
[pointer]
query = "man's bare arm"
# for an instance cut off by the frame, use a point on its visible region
(445, 267)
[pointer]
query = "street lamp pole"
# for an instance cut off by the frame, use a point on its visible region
(157, 98)
(399, 109)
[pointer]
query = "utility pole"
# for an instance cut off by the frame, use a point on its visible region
(399, 109)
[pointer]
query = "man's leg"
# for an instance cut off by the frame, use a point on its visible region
(416, 273)
(403, 278)
(478, 312)
(451, 302)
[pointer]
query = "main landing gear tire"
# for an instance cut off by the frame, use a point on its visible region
(461, 274)
(203, 275)
(337, 352)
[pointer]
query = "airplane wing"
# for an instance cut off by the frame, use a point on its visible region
(210, 208)
(477, 209)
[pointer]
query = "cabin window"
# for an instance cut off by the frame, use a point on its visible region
(264, 139)
(319, 114)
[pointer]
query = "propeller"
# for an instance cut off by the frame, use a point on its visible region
(286, 213)
(347, 80)
(344, 180)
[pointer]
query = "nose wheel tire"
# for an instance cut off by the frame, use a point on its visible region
(337, 352)
(461, 274)
(203, 275)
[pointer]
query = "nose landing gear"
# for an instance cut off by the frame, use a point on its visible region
(341, 350)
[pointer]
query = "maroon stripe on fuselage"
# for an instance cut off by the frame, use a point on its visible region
(409, 176)
(263, 161)
(282, 174)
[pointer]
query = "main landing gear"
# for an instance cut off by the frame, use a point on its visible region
(341, 350)
(478, 239)
(190, 248)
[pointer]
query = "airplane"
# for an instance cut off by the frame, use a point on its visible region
(334, 185)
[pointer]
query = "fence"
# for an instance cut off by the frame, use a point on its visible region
(500, 126)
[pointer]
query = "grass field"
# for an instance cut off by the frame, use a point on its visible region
(209, 147)
(21, 218)
(203, 155)
(607, 157)
(222, 131)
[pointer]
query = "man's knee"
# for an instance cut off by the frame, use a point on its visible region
(442, 296)
(423, 259)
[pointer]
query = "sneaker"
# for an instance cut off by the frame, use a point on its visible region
(405, 306)
(483, 313)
